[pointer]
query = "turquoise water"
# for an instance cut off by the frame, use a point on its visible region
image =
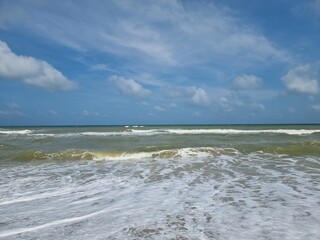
(160, 182)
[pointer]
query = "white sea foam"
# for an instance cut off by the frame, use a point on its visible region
(173, 185)
(221, 131)
(15, 132)
(163, 199)
(50, 224)
(180, 153)
(240, 131)
(56, 134)
(164, 131)
(37, 196)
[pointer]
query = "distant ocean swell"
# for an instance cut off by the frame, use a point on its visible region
(150, 132)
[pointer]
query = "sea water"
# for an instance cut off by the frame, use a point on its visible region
(160, 182)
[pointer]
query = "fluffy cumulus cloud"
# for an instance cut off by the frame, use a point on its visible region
(129, 87)
(199, 96)
(31, 71)
(302, 79)
(247, 82)
(193, 94)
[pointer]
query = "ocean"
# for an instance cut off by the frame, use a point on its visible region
(160, 182)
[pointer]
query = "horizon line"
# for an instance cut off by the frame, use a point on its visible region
(149, 125)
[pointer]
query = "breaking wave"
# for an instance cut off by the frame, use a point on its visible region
(16, 132)
(307, 148)
(101, 155)
(168, 131)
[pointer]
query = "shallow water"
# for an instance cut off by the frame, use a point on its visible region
(177, 182)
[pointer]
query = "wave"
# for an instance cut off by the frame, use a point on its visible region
(16, 132)
(311, 148)
(239, 131)
(153, 132)
(295, 149)
(182, 153)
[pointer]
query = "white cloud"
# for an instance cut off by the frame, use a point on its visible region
(195, 95)
(159, 109)
(199, 96)
(317, 7)
(301, 79)
(162, 32)
(292, 110)
(13, 105)
(316, 107)
(247, 81)
(257, 106)
(53, 113)
(101, 67)
(197, 114)
(87, 113)
(224, 104)
(31, 71)
(11, 113)
(144, 103)
(314, 7)
(307, 9)
(129, 86)
(173, 105)
(148, 79)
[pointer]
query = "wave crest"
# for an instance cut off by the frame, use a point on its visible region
(100, 155)
(16, 132)
(164, 131)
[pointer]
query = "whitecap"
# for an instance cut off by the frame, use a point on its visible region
(16, 132)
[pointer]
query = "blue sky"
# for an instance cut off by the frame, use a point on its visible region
(159, 62)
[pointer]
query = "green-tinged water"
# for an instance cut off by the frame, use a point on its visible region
(160, 182)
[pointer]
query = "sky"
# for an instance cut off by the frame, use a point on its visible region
(159, 62)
